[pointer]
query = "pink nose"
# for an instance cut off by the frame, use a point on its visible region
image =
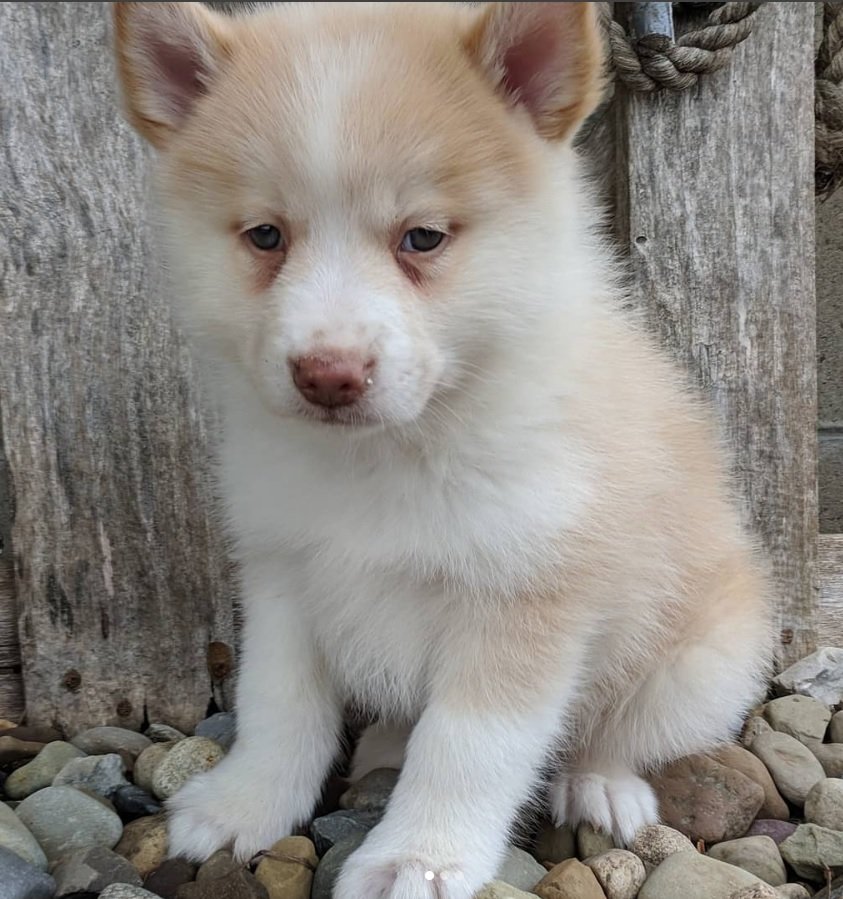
(332, 380)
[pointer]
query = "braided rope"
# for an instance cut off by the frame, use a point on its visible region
(677, 65)
(828, 103)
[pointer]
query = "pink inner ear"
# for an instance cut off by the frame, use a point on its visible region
(182, 74)
(530, 64)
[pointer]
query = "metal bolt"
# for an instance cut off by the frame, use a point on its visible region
(124, 708)
(787, 636)
(220, 660)
(72, 680)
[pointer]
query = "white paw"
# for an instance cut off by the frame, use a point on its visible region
(619, 803)
(375, 873)
(227, 806)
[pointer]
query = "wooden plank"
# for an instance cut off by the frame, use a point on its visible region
(717, 212)
(120, 567)
(830, 575)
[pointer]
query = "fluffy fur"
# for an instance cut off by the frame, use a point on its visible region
(519, 545)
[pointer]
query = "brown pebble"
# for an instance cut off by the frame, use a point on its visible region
(237, 885)
(15, 750)
(570, 879)
(286, 869)
(144, 843)
(165, 880)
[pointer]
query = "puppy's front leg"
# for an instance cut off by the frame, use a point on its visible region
(497, 704)
(288, 723)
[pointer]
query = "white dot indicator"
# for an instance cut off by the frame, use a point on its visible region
(429, 875)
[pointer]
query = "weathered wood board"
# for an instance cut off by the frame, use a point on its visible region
(120, 569)
(830, 572)
(717, 212)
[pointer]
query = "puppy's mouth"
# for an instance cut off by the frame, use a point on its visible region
(350, 417)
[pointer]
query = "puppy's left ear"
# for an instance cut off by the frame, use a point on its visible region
(546, 57)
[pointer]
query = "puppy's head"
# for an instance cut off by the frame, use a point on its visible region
(356, 195)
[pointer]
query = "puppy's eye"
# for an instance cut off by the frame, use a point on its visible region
(421, 240)
(265, 237)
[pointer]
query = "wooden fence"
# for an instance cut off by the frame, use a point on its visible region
(122, 600)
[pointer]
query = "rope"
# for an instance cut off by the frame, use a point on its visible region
(677, 65)
(828, 103)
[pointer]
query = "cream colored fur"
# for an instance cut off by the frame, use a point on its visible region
(520, 545)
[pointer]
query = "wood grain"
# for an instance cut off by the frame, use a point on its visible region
(716, 209)
(830, 573)
(119, 564)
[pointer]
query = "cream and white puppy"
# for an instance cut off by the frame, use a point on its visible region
(466, 492)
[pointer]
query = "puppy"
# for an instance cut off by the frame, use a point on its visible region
(466, 492)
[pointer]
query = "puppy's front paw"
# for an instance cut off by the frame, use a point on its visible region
(228, 805)
(376, 873)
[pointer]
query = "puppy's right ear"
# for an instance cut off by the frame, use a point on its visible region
(168, 54)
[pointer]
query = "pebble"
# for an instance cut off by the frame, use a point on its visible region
(495, 889)
(64, 819)
(555, 844)
(219, 865)
(792, 891)
(792, 765)
(15, 836)
(28, 733)
(13, 750)
(188, 757)
(706, 800)
(753, 728)
(819, 675)
(287, 869)
(163, 733)
(592, 842)
(824, 804)
(102, 774)
(101, 740)
(148, 762)
(165, 880)
(132, 802)
(20, 880)
(653, 843)
(570, 879)
(620, 873)
(333, 828)
(691, 875)
(331, 864)
(92, 870)
(811, 849)
(835, 891)
(743, 760)
(144, 843)
(759, 855)
(126, 891)
(238, 884)
(520, 869)
(221, 728)
(759, 891)
(835, 729)
(776, 830)
(39, 773)
(800, 716)
(830, 756)
(371, 793)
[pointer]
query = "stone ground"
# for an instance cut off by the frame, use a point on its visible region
(762, 819)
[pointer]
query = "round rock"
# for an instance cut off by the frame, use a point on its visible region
(819, 675)
(188, 757)
(592, 842)
(570, 879)
(165, 880)
(13, 750)
(91, 871)
(20, 880)
(520, 869)
(620, 873)
(555, 844)
(793, 766)
(706, 800)
(163, 733)
(811, 849)
(653, 843)
(690, 875)
(329, 868)
(63, 819)
(830, 756)
(126, 891)
(102, 740)
(777, 831)
(240, 884)
(371, 793)
(802, 717)
(15, 836)
(144, 843)
(221, 728)
(39, 773)
(824, 804)
(287, 868)
(132, 802)
(328, 830)
(495, 889)
(835, 729)
(759, 855)
(753, 727)
(148, 762)
(101, 774)
(792, 891)
(743, 760)
(759, 891)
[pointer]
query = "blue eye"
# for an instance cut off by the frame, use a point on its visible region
(421, 240)
(265, 237)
